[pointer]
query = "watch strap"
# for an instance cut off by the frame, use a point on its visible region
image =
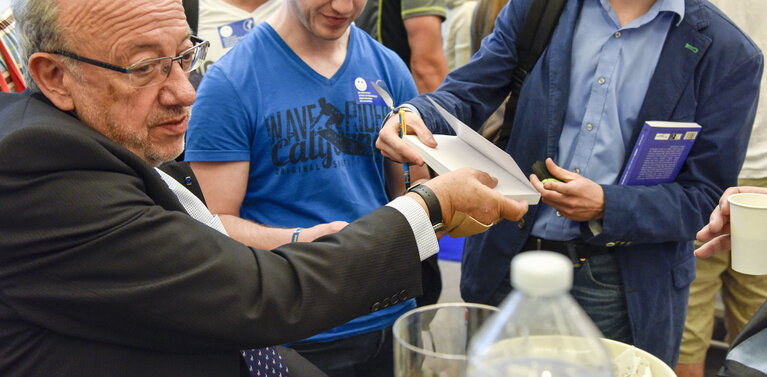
(432, 204)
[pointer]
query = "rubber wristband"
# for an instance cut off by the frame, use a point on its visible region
(294, 239)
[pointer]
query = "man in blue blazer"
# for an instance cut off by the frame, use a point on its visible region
(610, 66)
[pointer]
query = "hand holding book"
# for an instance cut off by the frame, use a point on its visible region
(389, 140)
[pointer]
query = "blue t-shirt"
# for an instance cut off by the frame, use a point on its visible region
(310, 140)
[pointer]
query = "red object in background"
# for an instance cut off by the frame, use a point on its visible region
(18, 81)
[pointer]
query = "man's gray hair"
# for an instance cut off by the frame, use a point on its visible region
(38, 28)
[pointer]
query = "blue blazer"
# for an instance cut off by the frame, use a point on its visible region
(708, 73)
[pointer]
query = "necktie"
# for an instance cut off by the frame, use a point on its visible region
(262, 362)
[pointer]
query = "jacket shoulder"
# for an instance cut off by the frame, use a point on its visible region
(35, 135)
(726, 36)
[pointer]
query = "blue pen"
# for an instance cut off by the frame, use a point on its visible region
(403, 132)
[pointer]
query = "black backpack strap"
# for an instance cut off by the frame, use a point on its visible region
(540, 21)
(192, 10)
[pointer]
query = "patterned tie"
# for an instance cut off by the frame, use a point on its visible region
(262, 362)
(265, 362)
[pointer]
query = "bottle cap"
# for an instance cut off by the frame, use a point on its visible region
(541, 273)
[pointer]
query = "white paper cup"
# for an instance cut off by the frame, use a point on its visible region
(748, 231)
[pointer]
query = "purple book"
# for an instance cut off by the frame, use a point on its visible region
(659, 153)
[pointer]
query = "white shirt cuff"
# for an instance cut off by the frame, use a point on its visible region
(419, 222)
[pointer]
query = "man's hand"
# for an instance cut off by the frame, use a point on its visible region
(576, 197)
(470, 191)
(391, 145)
(317, 231)
(716, 234)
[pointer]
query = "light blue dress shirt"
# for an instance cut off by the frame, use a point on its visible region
(611, 70)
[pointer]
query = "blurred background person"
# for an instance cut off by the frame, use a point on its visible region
(224, 22)
(412, 28)
(482, 23)
(483, 20)
(456, 32)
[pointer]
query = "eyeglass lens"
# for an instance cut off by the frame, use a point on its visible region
(157, 70)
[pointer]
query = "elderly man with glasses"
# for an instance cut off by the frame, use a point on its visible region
(107, 269)
(151, 71)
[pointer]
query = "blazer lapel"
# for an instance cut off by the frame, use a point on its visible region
(182, 172)
(682, 51)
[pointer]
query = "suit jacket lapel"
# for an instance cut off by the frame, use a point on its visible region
(182, 172)
(682, 51)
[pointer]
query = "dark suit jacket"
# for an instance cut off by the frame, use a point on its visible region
(102, 273)
(183, 173)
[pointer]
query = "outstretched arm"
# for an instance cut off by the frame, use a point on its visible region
(224, 185)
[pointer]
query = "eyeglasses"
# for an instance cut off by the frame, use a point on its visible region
(152, 71)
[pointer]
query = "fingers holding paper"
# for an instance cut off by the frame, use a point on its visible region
(576, 197)
(471, 192)
(716, 234)
(390, 141)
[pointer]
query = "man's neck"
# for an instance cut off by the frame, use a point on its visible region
(630, 10)
(246, 5)
(323, 55)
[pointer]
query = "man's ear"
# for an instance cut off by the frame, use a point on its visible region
(49, 75)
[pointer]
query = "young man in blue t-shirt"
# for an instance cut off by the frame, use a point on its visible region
(283, 133)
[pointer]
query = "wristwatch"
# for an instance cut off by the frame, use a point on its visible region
(432, 204)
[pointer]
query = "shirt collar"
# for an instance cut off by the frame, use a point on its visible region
(673, 6)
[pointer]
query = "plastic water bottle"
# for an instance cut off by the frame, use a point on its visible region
(540, 330)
